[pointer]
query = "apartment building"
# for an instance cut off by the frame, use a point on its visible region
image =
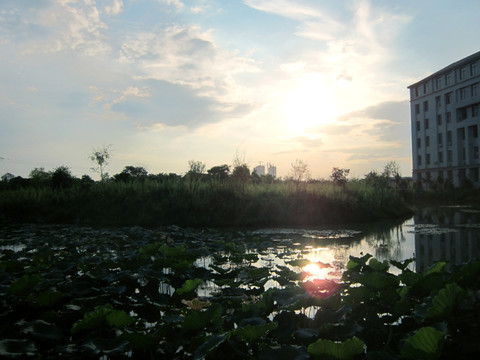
(445, 119)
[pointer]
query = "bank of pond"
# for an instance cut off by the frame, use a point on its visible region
(79, 292)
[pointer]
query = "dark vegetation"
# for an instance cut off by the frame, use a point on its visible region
(76, 293)
(218, 197)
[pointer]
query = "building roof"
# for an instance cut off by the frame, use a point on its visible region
(448, 68)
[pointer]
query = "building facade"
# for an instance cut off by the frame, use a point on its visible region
(445, 119)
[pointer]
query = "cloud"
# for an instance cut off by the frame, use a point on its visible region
(177, 4)
(115, 8)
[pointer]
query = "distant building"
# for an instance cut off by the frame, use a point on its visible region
(272, 170)
(259, 170)
(445, 117)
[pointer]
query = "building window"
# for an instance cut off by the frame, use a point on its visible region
(439, 120)
(475, 153)
(417, 109)
(419, 160)
(475, 90)
(473, 131)
(464, 154)
(438, 83)
(461, 133)
(449, 117)
(448, 98)
(438, 102)
(476, 110)
(418, 125)
(416, 91)
(473, 69)
(448, 79)
(427, 159)
(419, 143)
(463, 73)
(425, 106)
(462, 93)
(426, 124)
(449, 156)
(462, 114)
(449, 138)
(425, 88)
(440, 157)
(427, 141)
(450, 175)
(440, 139)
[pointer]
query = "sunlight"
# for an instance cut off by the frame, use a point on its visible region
(310, 104)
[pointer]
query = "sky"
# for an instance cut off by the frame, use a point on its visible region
(163, 82)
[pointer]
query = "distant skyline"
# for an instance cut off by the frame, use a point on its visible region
(270, 81)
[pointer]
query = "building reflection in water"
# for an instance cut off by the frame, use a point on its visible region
(449, 234)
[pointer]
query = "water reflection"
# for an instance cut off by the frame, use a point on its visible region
(447, 234)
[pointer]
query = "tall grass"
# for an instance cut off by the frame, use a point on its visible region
(155, 203)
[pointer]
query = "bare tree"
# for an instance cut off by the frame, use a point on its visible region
(100, 157)
(299, 172)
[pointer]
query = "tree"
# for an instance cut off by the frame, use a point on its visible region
(339, 176)
(62, 178)
(100, 157)
(218, 175)
(241, 175)
(299, 172)
(132, 173)
(40, 177)
(193, 176)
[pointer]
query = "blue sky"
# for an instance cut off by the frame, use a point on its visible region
(270, 81)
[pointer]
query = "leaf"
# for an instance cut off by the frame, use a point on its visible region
(46, 298)
(378, 266)
(425, 344)
(437, 268)
(188, 286)
(251, 333)
(337, 350)
(284, 352)
(119, 319)
(210, 345)
(444, 303)
(92, 319)
(24, 285)
(354, 261)
(14, 348)
(378, 281)
(197, 320)
(110, 347)
(299, 262)
(402, 265)
(44, 331)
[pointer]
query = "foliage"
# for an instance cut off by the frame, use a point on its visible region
(89, 292)
(339, 176)
(100, 157)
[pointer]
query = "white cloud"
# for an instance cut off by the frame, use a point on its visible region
(187, 56)
(115, 8)
(175, 3)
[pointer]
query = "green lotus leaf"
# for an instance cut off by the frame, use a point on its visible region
(378, 266)
(425, 344)
(16, 348)
(119, 319)
(24, 285)
(251, 333)
(445, 301)
(188, 286)
(328, 349)
(299, 262)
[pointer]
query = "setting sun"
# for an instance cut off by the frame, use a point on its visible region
(310, 104)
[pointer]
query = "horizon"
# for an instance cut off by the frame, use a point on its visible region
(268, 81)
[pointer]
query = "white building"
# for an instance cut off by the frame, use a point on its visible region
(272, 170)
(445, 116)
(260, 170)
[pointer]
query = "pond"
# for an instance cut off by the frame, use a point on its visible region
(86, 291)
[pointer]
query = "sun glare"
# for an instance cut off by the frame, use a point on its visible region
(308, 105)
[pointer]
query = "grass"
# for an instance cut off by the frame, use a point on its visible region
(226, 204)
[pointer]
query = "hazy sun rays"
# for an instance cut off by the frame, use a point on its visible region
(310, 103)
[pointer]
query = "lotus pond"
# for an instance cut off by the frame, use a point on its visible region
(82, 292)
